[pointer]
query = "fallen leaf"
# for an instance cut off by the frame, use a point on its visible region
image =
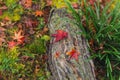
(73, 54)
(19, 37)
(26, 3)
(57, 54)
(7, 18)
(12, 44)
(38, 13)
(60, 35)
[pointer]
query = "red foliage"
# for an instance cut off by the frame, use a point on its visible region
(60, 35)
(12, 44)
(73, 54)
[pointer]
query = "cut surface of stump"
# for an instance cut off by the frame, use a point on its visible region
(61, 65)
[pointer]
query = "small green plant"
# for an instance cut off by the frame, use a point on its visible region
(101, 28)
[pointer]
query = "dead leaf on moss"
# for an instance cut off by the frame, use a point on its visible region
(19, 37)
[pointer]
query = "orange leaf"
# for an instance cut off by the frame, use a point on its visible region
(7, 18)
(38, 13)
(27, 3)
(73, 54)
(19, 37)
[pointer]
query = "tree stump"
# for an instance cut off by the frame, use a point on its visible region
(60, 64)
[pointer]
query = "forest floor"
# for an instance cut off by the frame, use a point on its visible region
(24, 36)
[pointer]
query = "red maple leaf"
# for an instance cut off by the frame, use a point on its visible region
(73, 54)
(12, 44)
(60, 35)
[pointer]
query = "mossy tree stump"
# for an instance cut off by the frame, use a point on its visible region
(61, 67)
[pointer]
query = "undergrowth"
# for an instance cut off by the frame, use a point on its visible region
(101, 27)
(23, 38)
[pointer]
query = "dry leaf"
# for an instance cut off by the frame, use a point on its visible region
(19, 37)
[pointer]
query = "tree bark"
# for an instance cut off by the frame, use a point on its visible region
(60, 65)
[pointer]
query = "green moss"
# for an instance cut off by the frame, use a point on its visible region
(14, 11)
(10, 3)
(38, 46)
